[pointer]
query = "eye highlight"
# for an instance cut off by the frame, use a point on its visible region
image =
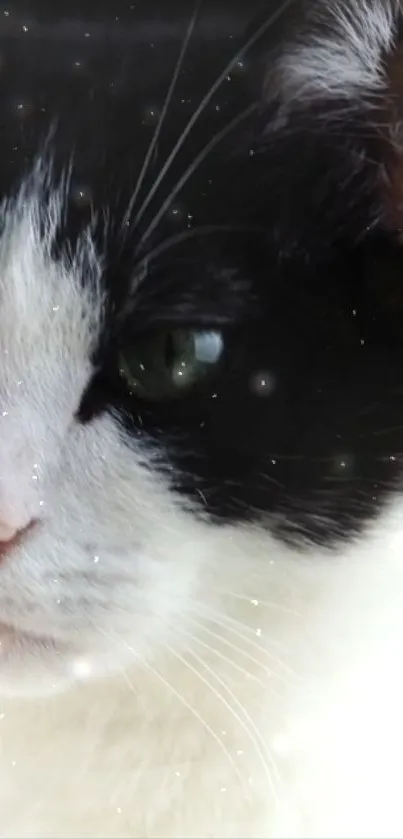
(168, 363)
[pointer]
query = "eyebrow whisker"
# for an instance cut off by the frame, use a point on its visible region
(205, 101)
(164, 111)
(192, 168)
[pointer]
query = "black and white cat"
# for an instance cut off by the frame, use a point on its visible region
(201, 418)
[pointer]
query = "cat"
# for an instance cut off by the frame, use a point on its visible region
(201, 511)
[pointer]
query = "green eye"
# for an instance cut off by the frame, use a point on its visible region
(166, 364)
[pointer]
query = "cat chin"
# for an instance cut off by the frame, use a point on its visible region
(34, 666)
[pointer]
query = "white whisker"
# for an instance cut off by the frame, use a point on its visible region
(228, 623)
(205, 230)
(164, 111)
(254, 734)
(269, 672)
(145, 664)
(269, 604)
(192, 168)
(244, 672)
(129, 683)
(205, 101)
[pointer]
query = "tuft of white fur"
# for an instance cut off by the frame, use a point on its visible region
(161, 676)
(338, 50)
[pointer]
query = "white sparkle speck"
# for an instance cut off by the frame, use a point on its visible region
(262, 383)
(82, 668)
(24, 28)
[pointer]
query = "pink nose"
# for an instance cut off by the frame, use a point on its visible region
(10, 537)
(7, 532)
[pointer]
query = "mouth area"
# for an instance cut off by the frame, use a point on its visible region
(7, 548)
(11, 637)
(33, 665)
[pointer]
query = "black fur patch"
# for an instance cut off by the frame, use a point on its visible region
(277, 236)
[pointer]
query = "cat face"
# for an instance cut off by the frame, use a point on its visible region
(199, 366)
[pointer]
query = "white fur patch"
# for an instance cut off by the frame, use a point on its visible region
(270, 707)
(337, 51)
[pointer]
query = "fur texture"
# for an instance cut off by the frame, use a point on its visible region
(339, 49)
(200, 632)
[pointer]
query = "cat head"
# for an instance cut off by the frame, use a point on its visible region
(199, 321)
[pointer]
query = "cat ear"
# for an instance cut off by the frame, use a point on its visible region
(330, 124)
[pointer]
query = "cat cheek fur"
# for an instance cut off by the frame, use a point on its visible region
(108, 541)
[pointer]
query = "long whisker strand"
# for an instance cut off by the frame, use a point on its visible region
(244, 653)
(183, 701)
(269, 604)
(254, 735)
(164, 111)
(230, 623)
(205, 101)
(227, 659)
(192, 168)
(203, 230)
